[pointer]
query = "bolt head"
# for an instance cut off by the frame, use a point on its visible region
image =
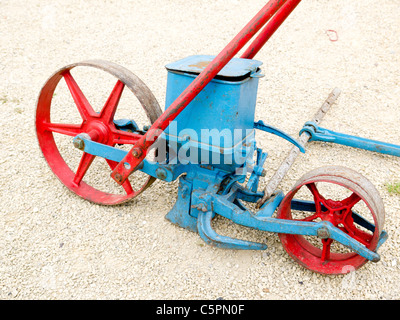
(263, 173)
(118, 177)
(161, 173)
(79, 144)
(136, 152)
(323, 233)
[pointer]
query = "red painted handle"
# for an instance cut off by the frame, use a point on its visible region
(270, 28)
(136, 155)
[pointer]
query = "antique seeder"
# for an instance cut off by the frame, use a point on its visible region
(206, 138)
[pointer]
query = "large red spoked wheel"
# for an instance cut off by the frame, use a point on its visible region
(99, 124)
(340, 196)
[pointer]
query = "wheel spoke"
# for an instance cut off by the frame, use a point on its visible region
(326, 249)
(62, 128)
(126, 185)
(317, 197)
(356, 233)
(362, 236)
(310, 218)
(84, 165)
(108, 111)
(351, 201)
(83, 105)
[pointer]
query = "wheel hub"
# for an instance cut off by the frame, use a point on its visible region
(98, 131)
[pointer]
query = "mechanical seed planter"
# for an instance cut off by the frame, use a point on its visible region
(206, 139)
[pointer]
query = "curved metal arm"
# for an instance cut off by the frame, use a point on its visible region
(267, 128)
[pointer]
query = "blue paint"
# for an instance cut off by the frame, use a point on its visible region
(258, 170)
(221, 117)
(101, 150)
(267, 128)
(126, 125)
(209, 236)
(205, 202)
(321, 134)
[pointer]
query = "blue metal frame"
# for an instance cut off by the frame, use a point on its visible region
(209, 189)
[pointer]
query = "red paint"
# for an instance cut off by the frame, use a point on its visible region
(120, 173)
(270, 28)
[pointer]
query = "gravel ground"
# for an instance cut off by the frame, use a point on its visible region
(55, 245)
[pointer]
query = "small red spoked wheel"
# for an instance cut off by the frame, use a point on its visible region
(100, 125)
(341, 196)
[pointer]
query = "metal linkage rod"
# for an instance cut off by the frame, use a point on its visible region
(136, 155)
(287, 163)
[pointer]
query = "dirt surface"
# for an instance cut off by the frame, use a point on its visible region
(55, 245)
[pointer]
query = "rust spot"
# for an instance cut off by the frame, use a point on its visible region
(201, 64)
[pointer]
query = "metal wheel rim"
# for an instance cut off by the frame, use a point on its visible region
(307, 254)
(46, 139)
